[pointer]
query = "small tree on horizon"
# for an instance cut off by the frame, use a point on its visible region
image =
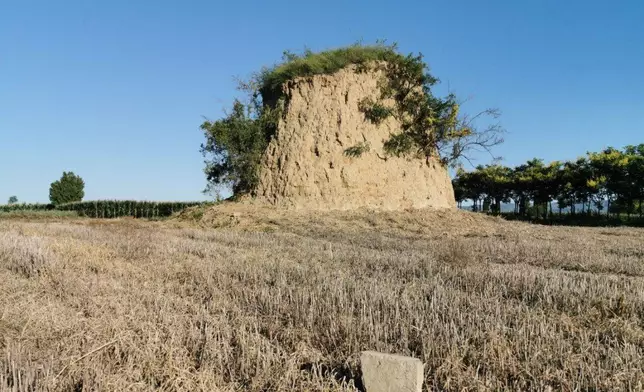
(13, 200)
(70, 188)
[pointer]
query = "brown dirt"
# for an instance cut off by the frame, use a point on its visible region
(249, 215)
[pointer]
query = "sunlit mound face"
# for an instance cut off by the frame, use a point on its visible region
(327, 154)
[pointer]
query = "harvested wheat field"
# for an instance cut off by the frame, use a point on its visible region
(236, 298)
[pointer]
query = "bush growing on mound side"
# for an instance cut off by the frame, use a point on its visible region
(431, 127)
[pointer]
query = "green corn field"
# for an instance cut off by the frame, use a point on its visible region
(110, 208)
(26, 207)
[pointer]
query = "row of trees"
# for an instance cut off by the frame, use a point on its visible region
(612, 179)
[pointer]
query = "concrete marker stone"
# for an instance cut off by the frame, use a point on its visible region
(390, 373)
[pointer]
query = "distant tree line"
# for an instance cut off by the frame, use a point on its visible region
(612, 179)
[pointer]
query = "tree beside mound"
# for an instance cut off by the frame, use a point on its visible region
(342, 129)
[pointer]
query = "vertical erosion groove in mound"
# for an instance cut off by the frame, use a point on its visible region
(305, 165)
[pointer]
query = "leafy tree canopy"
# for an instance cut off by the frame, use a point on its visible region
(610, 176)
(13, 200)
(70, 188)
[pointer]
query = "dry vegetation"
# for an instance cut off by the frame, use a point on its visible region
(268, 302)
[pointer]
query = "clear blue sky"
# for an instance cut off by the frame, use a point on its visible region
(115, 90)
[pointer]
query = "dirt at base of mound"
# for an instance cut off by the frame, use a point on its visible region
(390, 228)
(423, 222)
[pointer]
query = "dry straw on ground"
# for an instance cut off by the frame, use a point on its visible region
(269, 301)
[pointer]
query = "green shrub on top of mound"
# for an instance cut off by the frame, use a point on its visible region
(322, 63)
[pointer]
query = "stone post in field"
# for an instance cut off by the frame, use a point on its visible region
(390, 373)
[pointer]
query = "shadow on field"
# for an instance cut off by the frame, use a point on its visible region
(342, 373)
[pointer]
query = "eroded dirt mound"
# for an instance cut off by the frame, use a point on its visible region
(306, 166)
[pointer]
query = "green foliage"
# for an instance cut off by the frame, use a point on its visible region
(431, 126)
(270, 80)
(13, 200)
(610, 176)
(398, 144)
(126, 208)
(236, 144)
(375, 112)
(70, 188)
(357, 150)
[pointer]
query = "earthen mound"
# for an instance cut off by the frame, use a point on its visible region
(307, 165)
